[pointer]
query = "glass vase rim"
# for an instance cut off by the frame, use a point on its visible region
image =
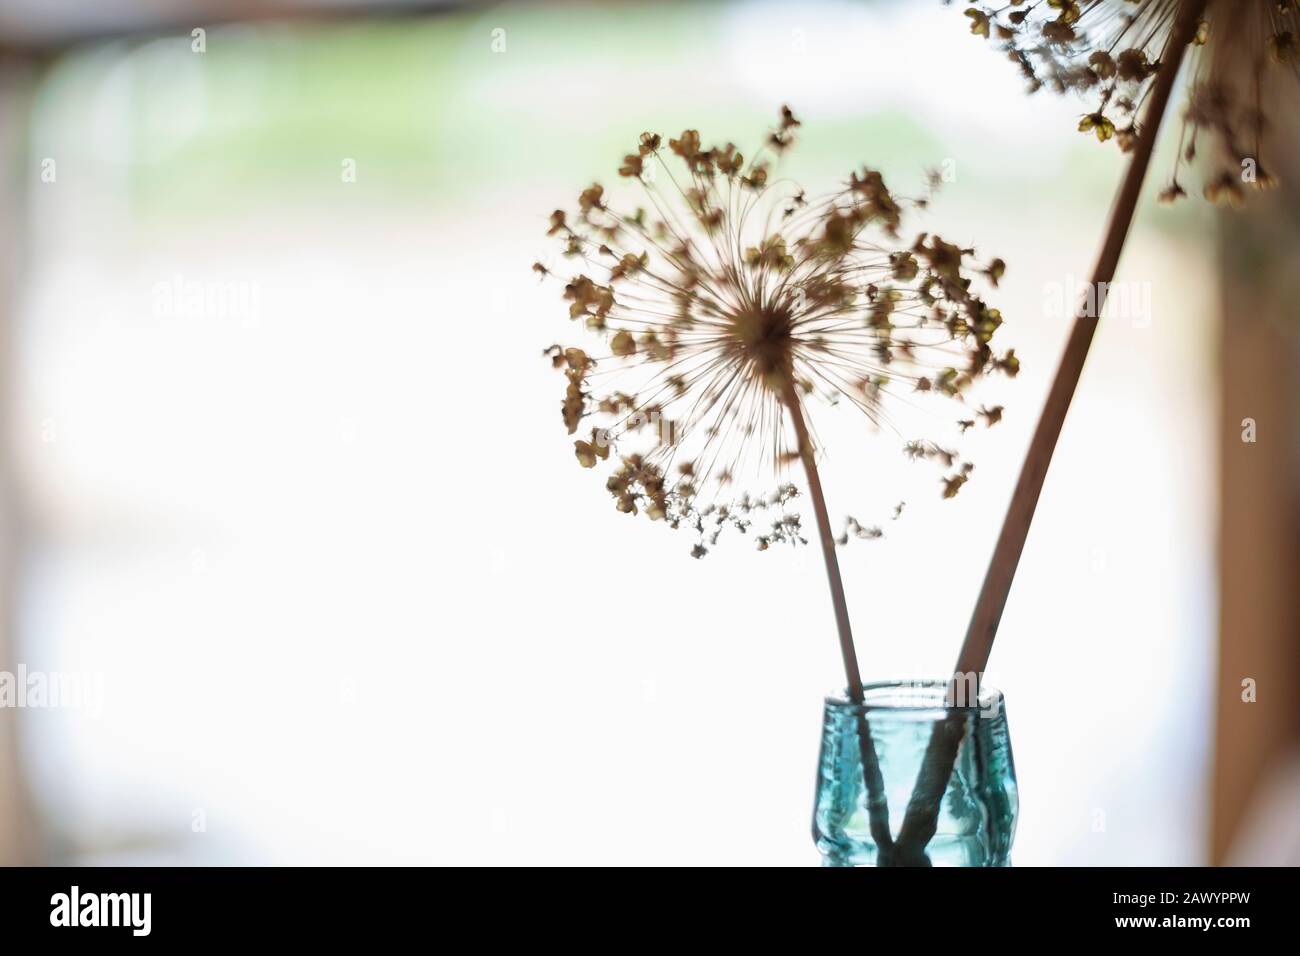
(937, 688)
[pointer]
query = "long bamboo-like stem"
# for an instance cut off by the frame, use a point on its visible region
(984, 621)
(877, 807)
(922, 810)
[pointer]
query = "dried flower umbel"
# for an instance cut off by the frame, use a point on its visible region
(727, 302)
(1112, 49)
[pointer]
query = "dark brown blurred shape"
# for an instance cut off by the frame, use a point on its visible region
(17, 837)
(1259, 529)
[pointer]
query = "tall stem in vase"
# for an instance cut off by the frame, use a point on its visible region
(923, 809)
(877, 807)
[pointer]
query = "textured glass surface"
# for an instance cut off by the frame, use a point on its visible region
(903, 722)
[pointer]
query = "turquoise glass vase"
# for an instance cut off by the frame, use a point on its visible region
(904, 779)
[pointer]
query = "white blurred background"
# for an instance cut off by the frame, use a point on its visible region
(351, 598)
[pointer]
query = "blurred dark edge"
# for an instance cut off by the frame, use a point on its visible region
(1256, 778)
(19, 841)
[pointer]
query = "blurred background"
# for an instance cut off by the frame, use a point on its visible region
(287, 499)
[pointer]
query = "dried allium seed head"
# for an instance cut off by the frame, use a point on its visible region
(727, 300)
(1247, 58)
